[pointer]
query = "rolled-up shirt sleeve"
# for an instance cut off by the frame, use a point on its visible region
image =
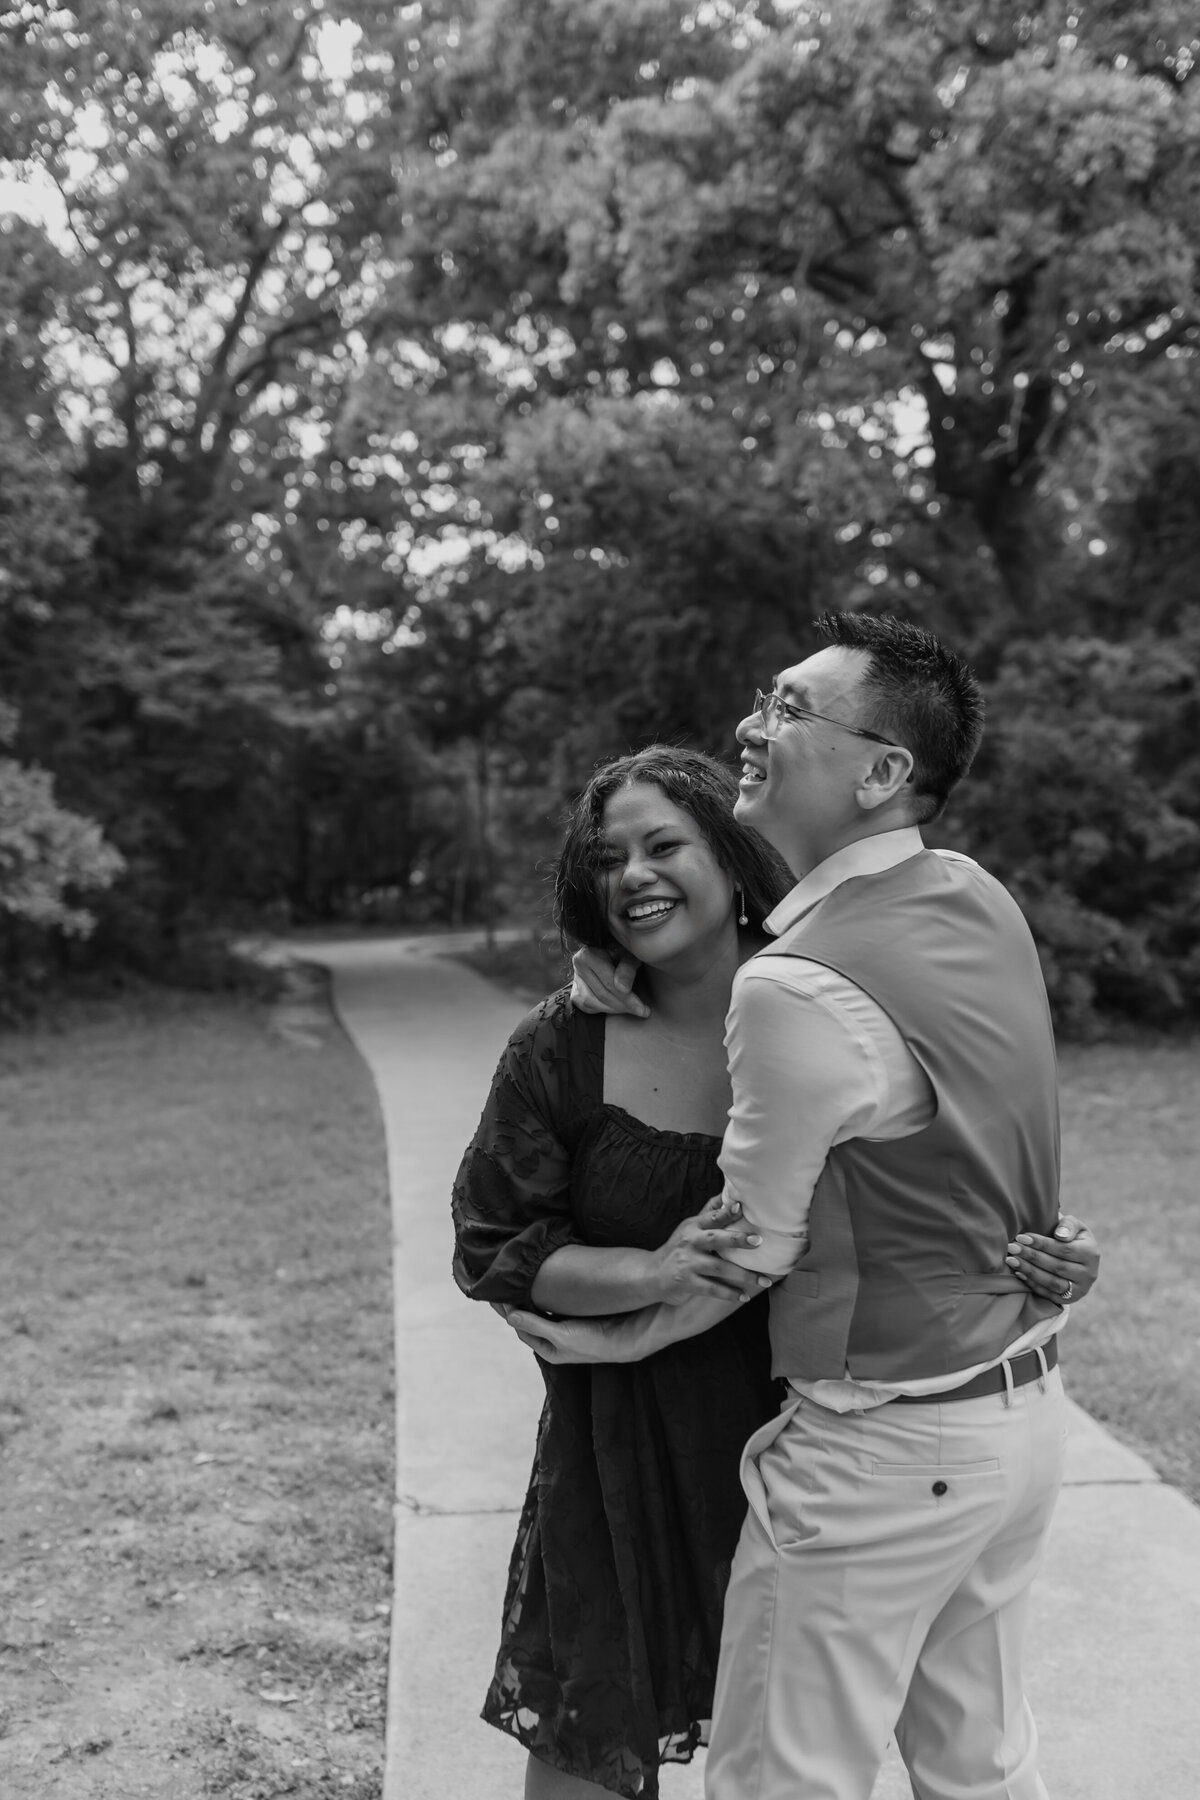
(805, 1076)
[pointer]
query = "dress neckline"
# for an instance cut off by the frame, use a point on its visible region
(641, 1127)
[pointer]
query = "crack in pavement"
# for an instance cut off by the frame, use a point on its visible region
(421, 1509)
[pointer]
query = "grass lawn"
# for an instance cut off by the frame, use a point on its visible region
(533, 966)
(197, 1403)
(1131, 1168)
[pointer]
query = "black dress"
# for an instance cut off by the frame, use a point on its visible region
(612, 1617)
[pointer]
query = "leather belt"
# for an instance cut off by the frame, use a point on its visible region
(1025, 1368)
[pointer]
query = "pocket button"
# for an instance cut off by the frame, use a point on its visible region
(939, 1488)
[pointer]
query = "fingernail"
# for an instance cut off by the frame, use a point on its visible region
(1014, 1262)
(735, 1206)
(764, 1281)
(754, 1238)
(1062, 1231)
(1024, 1237)
(742, 1298)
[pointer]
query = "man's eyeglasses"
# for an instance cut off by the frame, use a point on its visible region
(774, 711)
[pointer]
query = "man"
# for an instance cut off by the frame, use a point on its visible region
(894, 1125)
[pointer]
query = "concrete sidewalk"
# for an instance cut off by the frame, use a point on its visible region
(1116, 1632)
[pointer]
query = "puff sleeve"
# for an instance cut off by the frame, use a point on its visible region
(511, 1198)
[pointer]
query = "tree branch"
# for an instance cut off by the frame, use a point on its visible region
(254, 375)
(128, 410)
(256, 269)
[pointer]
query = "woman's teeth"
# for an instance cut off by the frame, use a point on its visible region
(649, 909)
(751, 773)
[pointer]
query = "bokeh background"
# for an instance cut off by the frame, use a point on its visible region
(402, 407)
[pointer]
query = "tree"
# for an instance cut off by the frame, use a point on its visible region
(451, 396)
(50, 855)
(217, 176)
(833, 216)
(735, 312)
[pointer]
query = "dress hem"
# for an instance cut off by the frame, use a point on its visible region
(635, 1783)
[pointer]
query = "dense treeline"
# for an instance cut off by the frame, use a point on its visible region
(403, 407)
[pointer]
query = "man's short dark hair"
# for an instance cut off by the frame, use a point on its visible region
(919, 693)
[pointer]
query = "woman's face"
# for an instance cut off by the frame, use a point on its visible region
(665, 894)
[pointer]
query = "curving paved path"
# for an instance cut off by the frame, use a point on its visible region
(1116, 1633)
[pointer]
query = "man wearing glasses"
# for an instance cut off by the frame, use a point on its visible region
(894, 1126)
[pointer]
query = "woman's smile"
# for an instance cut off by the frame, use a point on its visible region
(641, 914)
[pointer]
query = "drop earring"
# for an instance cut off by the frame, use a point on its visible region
(741, 900)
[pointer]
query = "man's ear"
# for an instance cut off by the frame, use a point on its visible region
(888, 778)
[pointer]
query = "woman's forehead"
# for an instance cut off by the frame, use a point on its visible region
(641, 809)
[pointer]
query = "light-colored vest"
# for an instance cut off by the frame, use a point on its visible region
(904, 1273)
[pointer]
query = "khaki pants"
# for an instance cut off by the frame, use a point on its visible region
(880, 1586)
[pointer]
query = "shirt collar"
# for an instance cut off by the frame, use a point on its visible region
(867, 856)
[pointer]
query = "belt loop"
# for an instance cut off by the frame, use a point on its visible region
(1008, 1382)
(1041, 1356)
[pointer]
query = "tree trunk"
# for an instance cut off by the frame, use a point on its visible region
(989, 452)
(486, 860)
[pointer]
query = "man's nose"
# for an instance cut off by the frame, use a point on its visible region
(750, 730)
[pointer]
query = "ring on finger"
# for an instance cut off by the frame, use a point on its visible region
(1068, 1292)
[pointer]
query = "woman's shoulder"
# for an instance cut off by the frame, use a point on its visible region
(553, 1021)
(560, 1047)
(551, 1013)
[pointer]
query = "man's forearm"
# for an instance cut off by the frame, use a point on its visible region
(630, 1338)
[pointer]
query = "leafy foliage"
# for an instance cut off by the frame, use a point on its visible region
(1086, 799)
(46, 851)
(404, 407)
(212, 196)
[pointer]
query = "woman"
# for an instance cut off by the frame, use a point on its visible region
(583, 1193)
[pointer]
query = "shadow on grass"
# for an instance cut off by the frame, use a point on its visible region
(533, 966)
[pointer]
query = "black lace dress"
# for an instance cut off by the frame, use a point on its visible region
(612, 1617)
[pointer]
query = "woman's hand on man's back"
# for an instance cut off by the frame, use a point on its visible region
(1063, 1267)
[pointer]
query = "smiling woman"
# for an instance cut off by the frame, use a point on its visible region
(662, 882)
(698, 787)
(584, 1191)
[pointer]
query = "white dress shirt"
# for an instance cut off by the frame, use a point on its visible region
(814, 1061)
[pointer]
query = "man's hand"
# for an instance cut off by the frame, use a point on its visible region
(1063, 1267)
(556, 1340)
(570, 1340)
(601, 985)
(626, 1337)
(690, 1263)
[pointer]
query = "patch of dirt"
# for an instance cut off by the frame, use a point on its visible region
(196, 1408)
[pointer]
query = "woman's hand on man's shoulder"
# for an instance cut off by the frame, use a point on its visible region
(601, 983)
